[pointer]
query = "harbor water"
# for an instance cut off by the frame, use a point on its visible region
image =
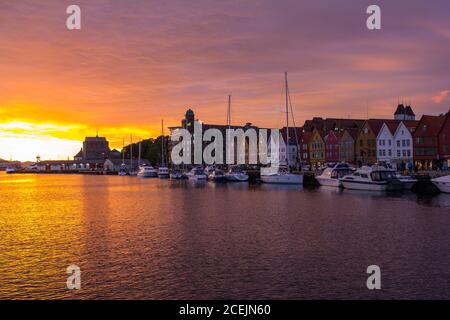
(139, 238)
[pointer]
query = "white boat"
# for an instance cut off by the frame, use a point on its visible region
(10, 170)
(332, 174)
(217, 176)
(375, 178)
(147, 171)
(442, 183)
(235, 174)
(407, 182)
(283, 176)
(163, 172)
(196, 174)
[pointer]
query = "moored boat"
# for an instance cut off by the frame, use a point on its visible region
(163, 172)
(282, 176)
(217, 176)
(375, 178)
(442, 183)
(147, 171)
(196, 174)
(333, 173)
(236, 174)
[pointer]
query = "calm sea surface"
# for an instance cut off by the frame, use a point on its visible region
(151, 239)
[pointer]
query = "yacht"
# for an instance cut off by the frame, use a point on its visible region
(217, 176)
(283, 176)
(196, 174)
(333, 173)
(147, 171)
(375, 178)
(442, 183)
(235, 174)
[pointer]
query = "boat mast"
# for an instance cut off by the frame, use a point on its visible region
(139, 158)
(229, 124)
(131, 152)
(123, 151)
(163, 156)
(287, 120)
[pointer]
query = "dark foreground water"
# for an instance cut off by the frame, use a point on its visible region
(152, 239)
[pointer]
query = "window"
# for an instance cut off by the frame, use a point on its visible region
(390, 153)
(403, 143)
(424, 128)
(365, 176)
(390, 142)
(398, 153)
(409, 153)
(408, 143)
(398, 143)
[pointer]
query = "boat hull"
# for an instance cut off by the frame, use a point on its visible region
(329, 182)
(236, 177)
(283, 179)
(443, 186)
(368, 186)
(147, 174)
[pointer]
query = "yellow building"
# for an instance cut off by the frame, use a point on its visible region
(316, 149)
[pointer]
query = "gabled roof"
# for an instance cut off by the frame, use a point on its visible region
(79, 154)
(433, 123)
(447, 118)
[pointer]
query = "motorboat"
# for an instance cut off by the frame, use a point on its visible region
(442, 183)
(196, 174)
(10, 170)
(235, 174)
(217, 176)
(406, 182)
(281, 176)
(375, 178)
(333, 173)
(163, 172)
(147, 171)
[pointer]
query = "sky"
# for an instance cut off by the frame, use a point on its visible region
(136, 62)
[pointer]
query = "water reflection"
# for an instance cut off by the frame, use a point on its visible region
(152, 238)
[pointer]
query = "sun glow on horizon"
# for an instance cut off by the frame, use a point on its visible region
(24, 141)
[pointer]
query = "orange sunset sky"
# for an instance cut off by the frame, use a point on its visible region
(136, 62)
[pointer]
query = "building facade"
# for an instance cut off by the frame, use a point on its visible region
(444, 143)
(425, 143)
(317, 149)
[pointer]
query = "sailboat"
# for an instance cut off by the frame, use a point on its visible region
(131, 172)
(234, 172)
(145, 171)
(163, 170)
(122, 170)
(283, 176)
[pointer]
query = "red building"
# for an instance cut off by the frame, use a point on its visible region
(332, 146)
(444, 142)
(425, 143)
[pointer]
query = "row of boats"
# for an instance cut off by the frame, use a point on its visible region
(234, 173)
(373, 178)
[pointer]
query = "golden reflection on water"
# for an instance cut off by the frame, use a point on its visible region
(147, 238)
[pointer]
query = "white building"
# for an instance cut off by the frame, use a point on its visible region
(395, 142)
